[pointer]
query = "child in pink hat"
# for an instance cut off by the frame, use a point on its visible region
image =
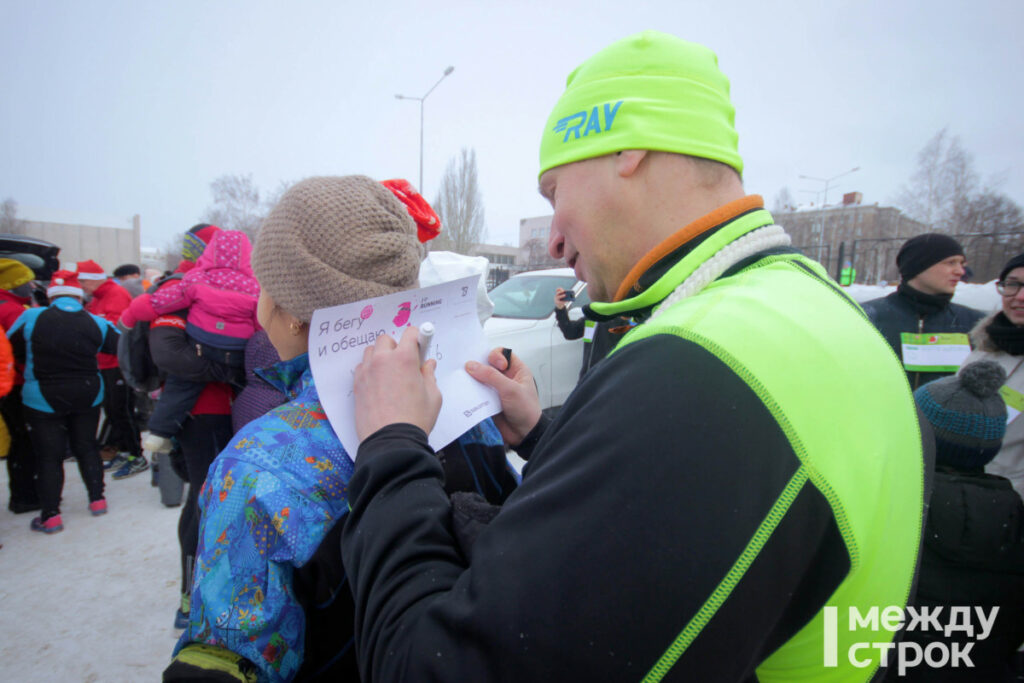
(220, 294)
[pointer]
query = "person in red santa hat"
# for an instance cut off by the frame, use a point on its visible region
(63, 391)
(121, 440)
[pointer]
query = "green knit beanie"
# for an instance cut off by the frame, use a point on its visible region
(648, 91)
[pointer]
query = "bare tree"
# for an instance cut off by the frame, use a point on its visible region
(236, 204)
(784, 202)
(991, 212)
(940, 191)
(172, 252)
(537, 256)
(459, 205)
(10, 224)
(274, 197)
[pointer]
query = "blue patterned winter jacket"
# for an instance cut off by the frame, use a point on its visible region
(269, 501)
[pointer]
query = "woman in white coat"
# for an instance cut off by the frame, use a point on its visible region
(1000, 337)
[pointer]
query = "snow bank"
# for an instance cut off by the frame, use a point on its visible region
(983, 297)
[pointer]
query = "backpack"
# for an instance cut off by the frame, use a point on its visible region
(133, 355)
(135, 361)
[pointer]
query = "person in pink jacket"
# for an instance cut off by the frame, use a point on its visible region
(220, 294)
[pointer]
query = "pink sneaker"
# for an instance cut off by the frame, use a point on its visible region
(98, 507)
(50, 526)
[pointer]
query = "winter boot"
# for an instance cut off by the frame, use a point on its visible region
(19, 508)
(154, 469)
(172, 488)
(50, 526)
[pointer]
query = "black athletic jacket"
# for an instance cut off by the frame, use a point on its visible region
(58, 345)
(606, 335)
(644, 492)
(898, 313)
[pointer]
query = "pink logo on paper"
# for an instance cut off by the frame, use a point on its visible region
(366, 312)
(404, 310)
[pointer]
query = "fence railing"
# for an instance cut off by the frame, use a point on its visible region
(873, 260)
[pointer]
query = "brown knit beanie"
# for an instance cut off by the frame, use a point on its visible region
(334, 240)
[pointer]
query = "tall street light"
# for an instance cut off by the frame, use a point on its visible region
(828, 181)
(421, 100)
(824, 201)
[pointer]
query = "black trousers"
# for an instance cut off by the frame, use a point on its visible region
(171, 410)
(52, 434)
(123, 431)
(202, 438)
(21, 465)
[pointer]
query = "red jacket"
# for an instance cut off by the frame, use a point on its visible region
(11, 307)
(215, 399)
(108, 301)
(7, 374)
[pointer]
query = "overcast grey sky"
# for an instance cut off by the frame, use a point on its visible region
(116, 108)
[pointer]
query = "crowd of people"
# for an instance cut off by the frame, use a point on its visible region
(748, 452)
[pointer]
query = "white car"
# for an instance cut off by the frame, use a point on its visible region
(524, 321)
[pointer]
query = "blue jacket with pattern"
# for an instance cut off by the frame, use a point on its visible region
(268, 566)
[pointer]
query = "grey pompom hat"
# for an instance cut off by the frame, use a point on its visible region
(967, 414)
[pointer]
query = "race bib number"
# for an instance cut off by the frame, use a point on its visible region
(943, 352)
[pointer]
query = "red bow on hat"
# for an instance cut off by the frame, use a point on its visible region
(427, 223)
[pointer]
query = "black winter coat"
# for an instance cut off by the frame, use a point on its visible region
(897, 313)
(600, 346)
(973, 556)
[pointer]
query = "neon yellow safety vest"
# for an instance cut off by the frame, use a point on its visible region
(841, 398)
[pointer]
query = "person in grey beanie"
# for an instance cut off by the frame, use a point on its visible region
(269, 598)
(930, 266)
(973, 550)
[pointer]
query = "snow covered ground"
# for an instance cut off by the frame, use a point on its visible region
(96, 602)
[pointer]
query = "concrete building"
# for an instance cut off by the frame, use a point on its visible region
(867, 236)
(151, 257)
(503, 262)
(108, 246)
(533, 243)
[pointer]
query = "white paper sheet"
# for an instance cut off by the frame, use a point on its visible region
(338, 336)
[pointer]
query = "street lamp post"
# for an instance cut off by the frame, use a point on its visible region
(828, 181)
(421, 100)
(824, 201)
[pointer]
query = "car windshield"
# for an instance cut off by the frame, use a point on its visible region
(528, 296)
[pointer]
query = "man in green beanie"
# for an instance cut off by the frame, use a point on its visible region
(715, 501)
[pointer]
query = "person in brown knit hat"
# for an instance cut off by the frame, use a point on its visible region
(334, 240)
(273, 499)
